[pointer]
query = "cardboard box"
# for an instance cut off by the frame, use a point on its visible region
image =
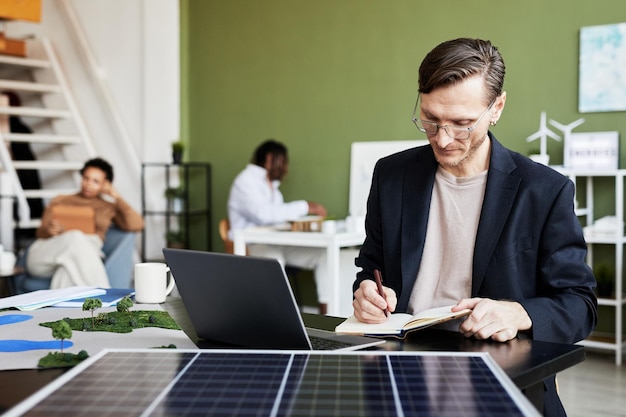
(307, 224)
(12, 46)
(21, 10)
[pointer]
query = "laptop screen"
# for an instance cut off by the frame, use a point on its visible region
(239, 300)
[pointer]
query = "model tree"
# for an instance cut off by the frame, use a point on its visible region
(124, 305)
(92, 304)
(61, 330)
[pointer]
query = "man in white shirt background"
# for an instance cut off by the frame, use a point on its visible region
(255, 200)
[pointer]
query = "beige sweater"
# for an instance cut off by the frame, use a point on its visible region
(445, 274)
(120, 213)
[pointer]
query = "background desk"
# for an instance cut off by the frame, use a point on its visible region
(332, 242)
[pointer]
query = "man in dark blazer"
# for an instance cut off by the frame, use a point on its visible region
(467, 222)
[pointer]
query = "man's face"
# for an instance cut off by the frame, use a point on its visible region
(277, 167)
(92, 183)
(461, 105)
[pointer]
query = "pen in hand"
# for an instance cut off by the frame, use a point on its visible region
(379, 285)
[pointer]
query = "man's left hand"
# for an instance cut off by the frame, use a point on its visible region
(498, 320)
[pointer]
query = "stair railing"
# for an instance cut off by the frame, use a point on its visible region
(7, 163)
(97, 75)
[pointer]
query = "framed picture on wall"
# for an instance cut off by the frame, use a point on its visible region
(602, 75)
(594, 151)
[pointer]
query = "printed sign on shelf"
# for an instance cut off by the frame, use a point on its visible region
(597, 151)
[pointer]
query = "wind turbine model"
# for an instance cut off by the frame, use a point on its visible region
(567, 129)
(542, 134)
(567, 134)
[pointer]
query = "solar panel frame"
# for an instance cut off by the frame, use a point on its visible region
(162, 382)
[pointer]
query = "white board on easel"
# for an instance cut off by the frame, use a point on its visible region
(363, 158)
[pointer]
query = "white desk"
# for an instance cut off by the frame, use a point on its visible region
(332, 242)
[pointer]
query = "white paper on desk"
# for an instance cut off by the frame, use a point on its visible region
(91, 342)
(43, 298)
(278, 227)
(109, 299)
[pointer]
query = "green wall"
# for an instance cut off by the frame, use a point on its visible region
(319, 75)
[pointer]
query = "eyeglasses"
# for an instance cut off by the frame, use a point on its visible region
(455, 132)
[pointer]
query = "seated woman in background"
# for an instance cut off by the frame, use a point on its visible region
(70, 249)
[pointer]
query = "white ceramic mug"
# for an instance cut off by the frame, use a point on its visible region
(7, 263)
(151, 286)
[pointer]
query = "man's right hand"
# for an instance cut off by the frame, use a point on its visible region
(316, 209)
(369, 306)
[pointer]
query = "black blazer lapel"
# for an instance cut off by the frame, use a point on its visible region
(418, 181)
(500, 192)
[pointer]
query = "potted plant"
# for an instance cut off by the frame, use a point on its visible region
(177, 151)
(175, 199)
(175, 239)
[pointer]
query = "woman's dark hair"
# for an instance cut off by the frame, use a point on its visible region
(454, 61)
(270, 146)
(102, 165)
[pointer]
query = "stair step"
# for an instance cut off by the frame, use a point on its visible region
(48, 193)
(37, 138)
(36, 112)
(14, 77)
(24, 62)
(49, 165)
(29, 86)
(30, 224)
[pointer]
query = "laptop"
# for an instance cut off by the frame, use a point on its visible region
(247, 301)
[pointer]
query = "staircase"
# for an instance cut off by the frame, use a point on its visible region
(59, 140)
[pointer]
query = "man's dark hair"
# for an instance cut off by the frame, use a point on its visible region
(454, 61)
(102, 165)
(269, 147)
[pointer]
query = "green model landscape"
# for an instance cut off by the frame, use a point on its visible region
(121, 321)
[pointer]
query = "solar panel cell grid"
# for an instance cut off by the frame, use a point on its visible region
(227, 383)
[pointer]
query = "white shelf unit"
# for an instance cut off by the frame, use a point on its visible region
(612, 342)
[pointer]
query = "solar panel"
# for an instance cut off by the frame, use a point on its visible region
(280, 383)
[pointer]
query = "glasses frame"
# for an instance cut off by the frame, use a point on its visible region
(469, 130)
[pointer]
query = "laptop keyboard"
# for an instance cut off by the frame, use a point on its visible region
(320, 343)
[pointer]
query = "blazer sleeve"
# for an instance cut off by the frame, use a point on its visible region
(564, 308)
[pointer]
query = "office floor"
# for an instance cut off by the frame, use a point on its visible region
(595, 387)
